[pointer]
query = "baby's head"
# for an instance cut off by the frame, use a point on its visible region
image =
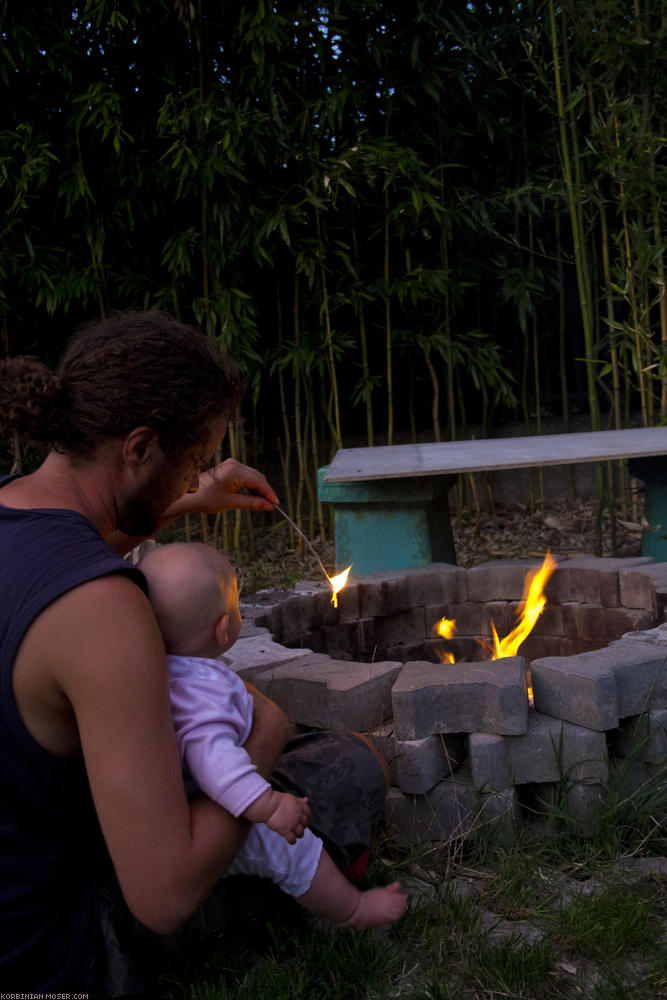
(192, 588)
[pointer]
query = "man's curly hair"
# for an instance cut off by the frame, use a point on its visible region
(129, 370)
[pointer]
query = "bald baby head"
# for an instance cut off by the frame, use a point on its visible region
(192, 588)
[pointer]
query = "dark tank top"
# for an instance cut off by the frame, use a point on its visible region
(51, 849)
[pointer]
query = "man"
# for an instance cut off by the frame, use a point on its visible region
(139, 408)
(90, 763)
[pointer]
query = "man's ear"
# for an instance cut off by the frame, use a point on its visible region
(140, 445)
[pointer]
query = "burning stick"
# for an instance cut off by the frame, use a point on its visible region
(335, 582)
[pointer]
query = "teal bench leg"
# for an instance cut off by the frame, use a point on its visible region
(388, 524)
(653, 473)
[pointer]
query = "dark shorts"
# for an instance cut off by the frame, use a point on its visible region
(345, 787)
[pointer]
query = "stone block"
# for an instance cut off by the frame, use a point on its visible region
(387, 592)
(585, 804)
(418, 765)
(404, 626)
(598, 624)
(640, 669)
(253, 655)
(348, 602)
(550, 622)
(554, 802)
(501, 615)
(323, 693)
(573, 580)
(344, 641)
(499, 579)
(551, 749)
(447, 813)
(658, 574)
(488, 758)
(629, 776)
(485, 696)
(609, 568)
(499, 815)
(642, 737)
(579, 689)
(423, 649)
(638, 590)
(470, 618)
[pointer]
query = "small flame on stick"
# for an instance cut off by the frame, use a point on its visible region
(335, 582)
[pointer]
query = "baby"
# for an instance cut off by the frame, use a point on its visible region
(193, 592)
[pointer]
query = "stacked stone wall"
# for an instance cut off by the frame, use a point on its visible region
(467, 744)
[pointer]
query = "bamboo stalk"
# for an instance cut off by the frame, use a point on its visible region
(575, 224)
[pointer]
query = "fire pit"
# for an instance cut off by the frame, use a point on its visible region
(468, 742)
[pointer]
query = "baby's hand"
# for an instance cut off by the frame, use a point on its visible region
(290, 818)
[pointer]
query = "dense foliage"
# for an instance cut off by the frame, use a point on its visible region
(400, 218)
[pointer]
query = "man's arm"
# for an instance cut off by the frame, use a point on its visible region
(168, 853)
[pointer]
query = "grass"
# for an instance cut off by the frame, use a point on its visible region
(550, 916)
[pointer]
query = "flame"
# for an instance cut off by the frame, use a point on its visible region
(446, 627)
(533, 601)
(337, 583)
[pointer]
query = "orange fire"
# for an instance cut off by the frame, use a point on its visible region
(337, 583)
(446, 627)
(533, 604)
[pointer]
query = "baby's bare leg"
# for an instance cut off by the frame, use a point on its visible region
(335, 899)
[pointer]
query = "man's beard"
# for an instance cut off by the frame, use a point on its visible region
(141, 513)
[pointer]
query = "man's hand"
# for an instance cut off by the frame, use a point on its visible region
(223, 488)
(290, 817)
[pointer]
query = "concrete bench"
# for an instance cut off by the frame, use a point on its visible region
(390, 503)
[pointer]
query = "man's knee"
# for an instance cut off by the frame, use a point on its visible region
(381, 760)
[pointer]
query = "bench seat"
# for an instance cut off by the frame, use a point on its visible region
(390, 503)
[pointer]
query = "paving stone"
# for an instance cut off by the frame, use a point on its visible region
(420, 764)
(551, 748)
(487, 696)
(638, 589)
(488, 758)
(448, 812)
(387, 592)
(608, 569)
(353, 640)
(404, 626)
(596, 623)
(640, 669)
(551, 801)
(658, 574)
(629, 776)
(657, 636)
(499, 579)
(642, 737)
(499, 815)
(579, 689)
(253, 655)
(585, 804)
(574, 580)
(323, 693)
(470, 618)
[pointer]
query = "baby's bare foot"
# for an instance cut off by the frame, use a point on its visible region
(377, 907)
